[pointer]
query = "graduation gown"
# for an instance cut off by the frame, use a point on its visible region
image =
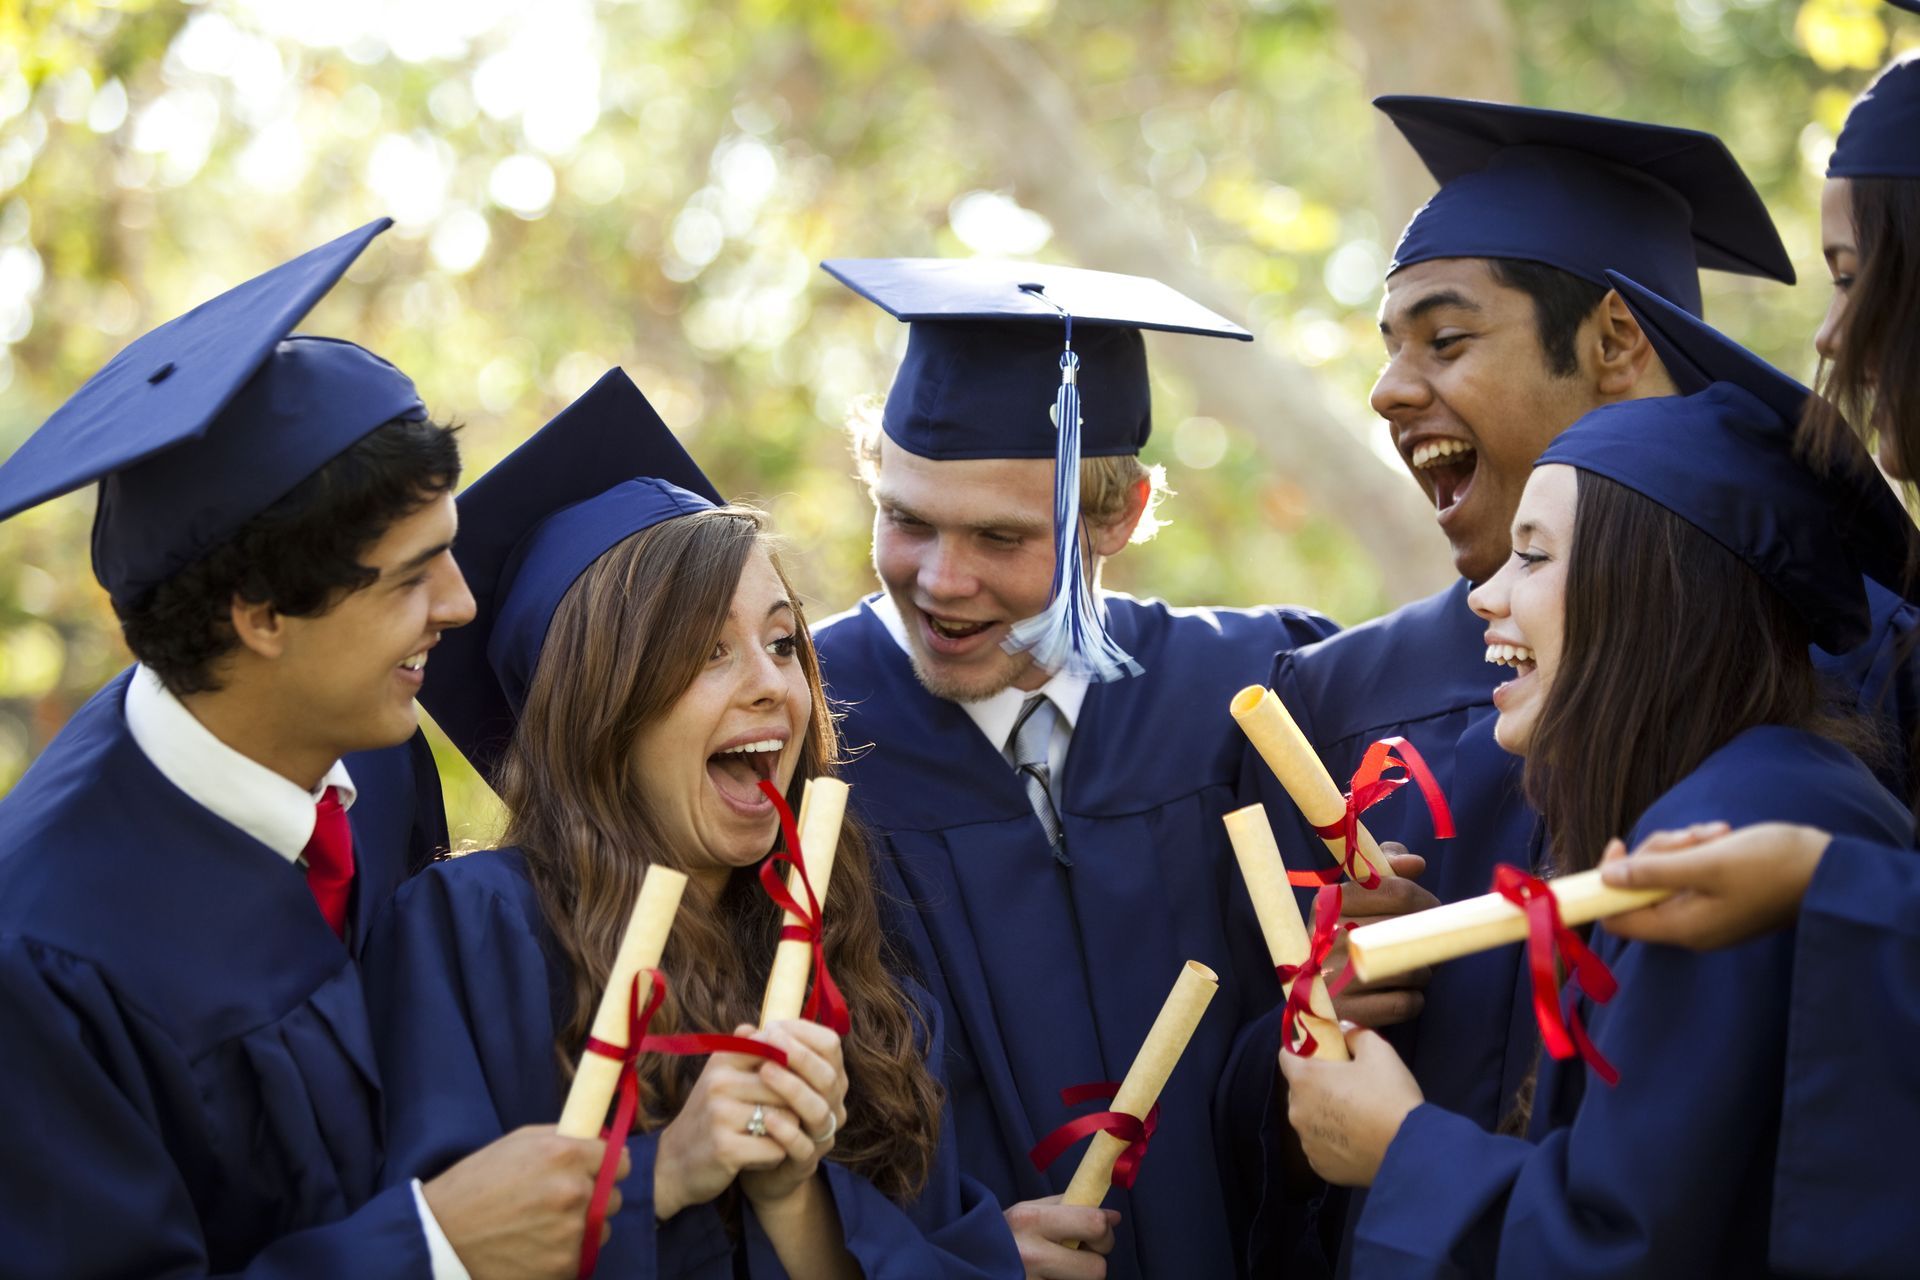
(1049, 975)
(195, 1089)
(1421, 673)
(1845, 1187)
(467, 991)
(1671, 1171)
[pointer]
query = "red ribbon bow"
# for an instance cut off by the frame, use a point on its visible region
(825, 1004)
(1367, 790)
(1326, 928)
(1132, 1130)
(1587, 972)
(639, 1042)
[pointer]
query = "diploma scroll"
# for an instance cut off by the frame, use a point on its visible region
(1165, 1042)
(1462, 928)
(598, 1077)
(823, 808)
(1264, 719)
(1280, 921)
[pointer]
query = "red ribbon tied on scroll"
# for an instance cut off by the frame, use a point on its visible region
(1367, 790)
(825, 1005)
(1326, 928)
(1133, 1131)
(1563, 1036)
(639, 1042)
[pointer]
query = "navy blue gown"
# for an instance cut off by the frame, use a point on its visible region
(1671, 1171)
(467, 991)
(193, 1079)
(1846, 1184)
(1421, 673)
(1050, 975)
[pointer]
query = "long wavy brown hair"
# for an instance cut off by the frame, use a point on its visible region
(625, 643)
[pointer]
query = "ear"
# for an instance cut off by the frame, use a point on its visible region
(1623, 355)
(258, 626)
(1108, 539)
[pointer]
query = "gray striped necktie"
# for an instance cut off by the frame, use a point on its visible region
(1027, 749)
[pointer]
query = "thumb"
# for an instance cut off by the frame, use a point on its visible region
(1405, 865)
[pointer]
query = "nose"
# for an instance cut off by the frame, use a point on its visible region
(1489, 600)
(1400, 389)
(762, 683)
(1826, 339)
(453, 602)
(946, 572)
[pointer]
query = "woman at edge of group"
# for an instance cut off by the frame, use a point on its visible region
(1666, 681)
(1855, 903)
(676, 644)
(1869, 344)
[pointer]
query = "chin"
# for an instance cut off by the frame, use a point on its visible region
(964, 683)
(1514, 739)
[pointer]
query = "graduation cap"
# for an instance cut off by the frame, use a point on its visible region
(1585, 194)
(1721, 456)
(1881, 138)
(605, 468)
(205, 422)
(1029, 360)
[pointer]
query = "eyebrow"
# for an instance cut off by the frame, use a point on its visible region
(780, 604)
(1433, 302)
(422, 559)
(1526, 529)
(1010, 524)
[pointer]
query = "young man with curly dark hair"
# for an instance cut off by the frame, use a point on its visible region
(185, 872)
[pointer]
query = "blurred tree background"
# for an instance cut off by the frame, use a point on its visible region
(650, 183)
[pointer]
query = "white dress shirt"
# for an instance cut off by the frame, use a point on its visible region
(995, 716)
(277, 812)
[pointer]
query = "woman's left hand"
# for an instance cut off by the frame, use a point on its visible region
(813, 1090)
(1347, 1113)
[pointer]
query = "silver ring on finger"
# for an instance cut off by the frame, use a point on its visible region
(757, 1122)
(833, 1127)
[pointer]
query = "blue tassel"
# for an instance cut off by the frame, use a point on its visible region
(1070, 634)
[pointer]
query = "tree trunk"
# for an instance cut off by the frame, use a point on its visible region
(1459, 49)
(1050, 164)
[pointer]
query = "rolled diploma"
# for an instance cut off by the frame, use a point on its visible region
(822, 809)
(1280, 921)
(1479, 924)
(1165, 1042)
(1287, 752)
(640, 947)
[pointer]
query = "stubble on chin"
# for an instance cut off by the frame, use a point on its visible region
(943, 682)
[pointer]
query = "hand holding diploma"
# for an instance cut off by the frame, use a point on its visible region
(1308, 1025)
(1120, 1135)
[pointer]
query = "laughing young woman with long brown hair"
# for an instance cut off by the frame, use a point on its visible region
(641, 665)
(1672, 560)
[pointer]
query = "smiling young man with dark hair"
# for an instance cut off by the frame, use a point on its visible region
(1500, 329)
(187, 869)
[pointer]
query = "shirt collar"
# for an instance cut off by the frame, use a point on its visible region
(234, 787)
(995, 715)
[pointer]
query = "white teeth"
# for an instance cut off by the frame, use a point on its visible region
(951, 628)
(1509, 655)
(415, 663)
(1429, 452)
(746, 748)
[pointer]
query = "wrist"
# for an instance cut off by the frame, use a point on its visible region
(772, 1197)
(668, 1196)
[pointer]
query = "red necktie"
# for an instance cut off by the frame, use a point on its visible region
(329, 856)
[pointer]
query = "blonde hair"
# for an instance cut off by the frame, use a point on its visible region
(1106, 484)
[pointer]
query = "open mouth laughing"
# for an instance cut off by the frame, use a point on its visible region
(1447, 465)
(738, 769)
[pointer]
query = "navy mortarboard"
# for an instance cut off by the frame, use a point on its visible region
(1028, 360)
(1584, 194)
(205, 422)
(1721, 456)
(1881, 138)
(605, 468)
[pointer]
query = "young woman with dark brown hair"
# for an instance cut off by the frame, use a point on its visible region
(1672, 560)
(646, 667)
(1850, 1111)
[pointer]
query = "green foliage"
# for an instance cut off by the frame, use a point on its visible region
(651, 183)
